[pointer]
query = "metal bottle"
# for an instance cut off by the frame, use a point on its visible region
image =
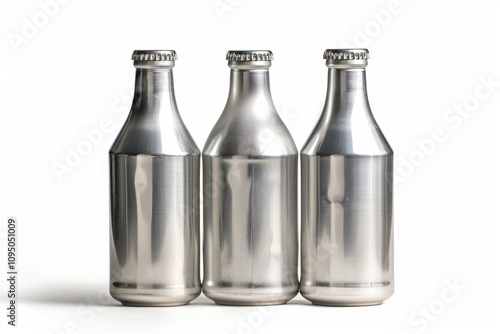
(154, 194)
(347, 216)
(250, 194)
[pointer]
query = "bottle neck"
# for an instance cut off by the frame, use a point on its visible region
(154, 91)
(346, 91)
(249, 85)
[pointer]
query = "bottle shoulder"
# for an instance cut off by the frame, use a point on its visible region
(357, 134)
(154, 135)
(250, 134)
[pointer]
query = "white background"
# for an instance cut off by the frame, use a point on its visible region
(73, 71)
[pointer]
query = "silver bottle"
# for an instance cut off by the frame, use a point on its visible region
(347, 216)
(154, 194)
(250, 194)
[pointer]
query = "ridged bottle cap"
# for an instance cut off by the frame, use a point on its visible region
(154, 58)
(346, 58)
(249, 59)
(249, 55)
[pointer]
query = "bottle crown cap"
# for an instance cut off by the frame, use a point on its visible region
(250, 55)
(154, 58)
(249, 59)
(346, 58)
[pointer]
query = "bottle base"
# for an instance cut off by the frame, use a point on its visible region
(154, 299)
(347, 296)
(249, 299)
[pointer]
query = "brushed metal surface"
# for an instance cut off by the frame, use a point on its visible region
(154, 166)
(250, 196)
(347, 198)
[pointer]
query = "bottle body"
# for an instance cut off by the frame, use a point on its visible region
(250, 240)
(250, 199)
(347, 198)
(154, 182)
(155, 234)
